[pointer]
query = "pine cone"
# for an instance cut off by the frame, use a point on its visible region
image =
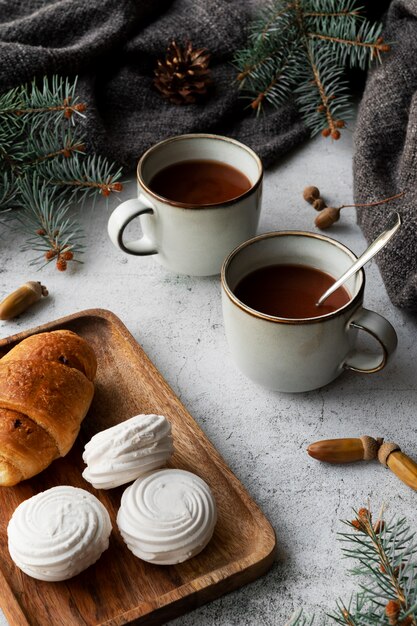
(183, 76)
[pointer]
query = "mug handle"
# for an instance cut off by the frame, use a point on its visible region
(381, 330)
(118, 221)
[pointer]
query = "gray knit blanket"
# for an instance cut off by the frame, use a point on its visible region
(113, 45)
(385, 161)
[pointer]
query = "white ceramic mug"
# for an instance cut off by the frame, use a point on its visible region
(296, 355)
(187, 239)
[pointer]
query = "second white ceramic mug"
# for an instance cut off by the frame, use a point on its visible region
(296, 355)
(186, 239)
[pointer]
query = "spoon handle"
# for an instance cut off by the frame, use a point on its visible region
(364, 258)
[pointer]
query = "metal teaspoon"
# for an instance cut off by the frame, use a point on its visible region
(370, 252)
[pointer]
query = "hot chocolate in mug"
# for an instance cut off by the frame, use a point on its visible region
(191, 223)
(308, 348)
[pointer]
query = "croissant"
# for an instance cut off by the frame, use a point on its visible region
(46, 388)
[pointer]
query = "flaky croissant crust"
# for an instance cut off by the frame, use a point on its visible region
(46, 389)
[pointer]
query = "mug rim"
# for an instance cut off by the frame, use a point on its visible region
(186, 205)
(352, 303)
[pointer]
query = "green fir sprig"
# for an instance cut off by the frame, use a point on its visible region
(44, 168)
(384, 552)
(300, 48)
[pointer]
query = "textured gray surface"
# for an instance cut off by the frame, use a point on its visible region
(261, 434)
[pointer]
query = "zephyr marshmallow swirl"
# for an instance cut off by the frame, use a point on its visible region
(167, 516)
(124, 452)
(58, 533)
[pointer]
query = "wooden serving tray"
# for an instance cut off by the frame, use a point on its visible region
(120, 588)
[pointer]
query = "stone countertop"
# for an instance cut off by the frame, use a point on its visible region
(262, 435)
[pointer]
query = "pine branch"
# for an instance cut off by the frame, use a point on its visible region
(46, 145)
(273, 19)
(83, 178)
(44, 167)
(54, 100)
(302, 47)
(330, 10)
(352, 46)
(45, 220)
(274, 78)
(384, 554)
(272, 42)
(322, 96)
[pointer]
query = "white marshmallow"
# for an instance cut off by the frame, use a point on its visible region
(167, 516)
(58, 533)
(124, 452)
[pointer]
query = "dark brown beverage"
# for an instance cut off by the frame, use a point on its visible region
(290, 291)
(200, 182)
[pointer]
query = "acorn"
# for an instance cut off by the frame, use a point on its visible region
(21, 299)
(311, 194)
(319, 204)
(327, 217)
(349, 450)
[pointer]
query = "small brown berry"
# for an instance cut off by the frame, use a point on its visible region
(50, 254)
(326, 132)
(117, 186)
(40, 232)
(319, 204)
(67, 255)
(392, 611)
(385, 48)
(66, 153)
(356, 524)
(407, 621)
(105, 192)
(67, 113)
(61, 264)
(335, 134)
(321, 108)
(339, 123)
(257, 102)
(310, 194)
(364, 513)
(80, 107)
(327, 217)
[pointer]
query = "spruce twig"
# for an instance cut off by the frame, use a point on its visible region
(384, 552)
(45, 219)
(317, 39)
(44, 168)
